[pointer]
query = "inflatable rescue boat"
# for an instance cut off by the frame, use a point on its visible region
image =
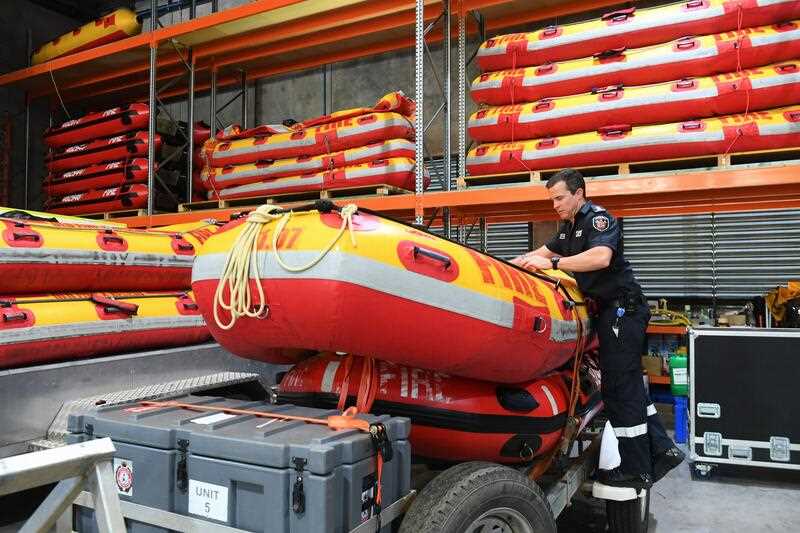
(101, 124)
(759, 130)
(754, 90)
(38, 256)
(101, 176)
(121, 147)
(631, 27)
(230, 176)
(396, 172)
(452, 418)
(315, 140)
(54, 327)
(688, 56)
(100, 201)
(113, 27)
(24, 215)
(383, 288)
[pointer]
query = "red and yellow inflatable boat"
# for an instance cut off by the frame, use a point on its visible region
(453, 419)
(315, 140)
(40, 256)
(397, 172)
(101, 176)
(689, 56)
(756, 89)
(385, 289)
(230, 176)
(101, 124)
(760, 130)
(55, 327)
(113, 27)
(631, 27)
(120, 147)
(100, 200)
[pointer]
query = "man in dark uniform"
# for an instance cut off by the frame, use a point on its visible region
(589, 245)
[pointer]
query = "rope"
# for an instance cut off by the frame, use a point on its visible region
(241, 260)
(739, 40)
(346, 213)
(236, 272)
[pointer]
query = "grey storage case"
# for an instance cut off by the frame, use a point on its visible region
(244, 471)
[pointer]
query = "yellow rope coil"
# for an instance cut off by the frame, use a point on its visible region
(242, 259)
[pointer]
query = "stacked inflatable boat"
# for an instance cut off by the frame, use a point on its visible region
(618, 89)
(98, 162)
(330, 281)
(78, 289)
(352, 148)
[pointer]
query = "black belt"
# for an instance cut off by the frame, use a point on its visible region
(628, 301)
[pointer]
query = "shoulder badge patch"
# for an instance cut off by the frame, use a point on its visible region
(600, 223)
(597, 208)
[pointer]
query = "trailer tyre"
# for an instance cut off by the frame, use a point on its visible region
(630, 516)
(477, 497)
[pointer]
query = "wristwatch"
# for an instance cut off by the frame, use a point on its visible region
(554, 260)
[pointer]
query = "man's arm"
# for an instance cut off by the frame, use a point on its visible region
(596, 258)
(542, 251)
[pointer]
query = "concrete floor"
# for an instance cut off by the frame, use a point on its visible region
(752, 501)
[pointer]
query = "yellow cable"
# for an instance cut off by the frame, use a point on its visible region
(242, 255)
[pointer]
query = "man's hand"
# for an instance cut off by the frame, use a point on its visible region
(533, 262)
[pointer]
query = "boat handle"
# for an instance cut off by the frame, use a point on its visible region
(432, 255)
(110, 305)
(550, 31)
(19, 236)
(11, 317)
(113, 238)
(182, 243)
(619, 16)
(539, 325)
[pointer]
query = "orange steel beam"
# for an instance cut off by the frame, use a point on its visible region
(302, 27)
(348, 15)
(145, 38)
(247, 41)
(694, 192)
(551, 12)
(353, 30)
(316, 61)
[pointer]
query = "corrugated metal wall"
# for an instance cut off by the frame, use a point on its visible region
(503, 240)
(726, 256)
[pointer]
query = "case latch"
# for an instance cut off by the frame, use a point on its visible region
(298, 494)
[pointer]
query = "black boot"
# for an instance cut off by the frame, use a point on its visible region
(666, 461)
(620, 478)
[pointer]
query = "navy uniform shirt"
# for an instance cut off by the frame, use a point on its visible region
(595, 227)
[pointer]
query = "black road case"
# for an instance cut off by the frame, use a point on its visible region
(743, 407)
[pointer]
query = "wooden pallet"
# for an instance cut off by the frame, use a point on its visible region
(661, 167)
(349, 192)
(116, 214)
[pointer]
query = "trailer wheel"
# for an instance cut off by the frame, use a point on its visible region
(631, 516)
(480, 497)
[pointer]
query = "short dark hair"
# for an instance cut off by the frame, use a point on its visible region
(571, 177)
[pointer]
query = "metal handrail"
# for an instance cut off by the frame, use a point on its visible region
(76, 467)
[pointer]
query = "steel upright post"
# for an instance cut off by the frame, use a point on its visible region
(419, 124)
